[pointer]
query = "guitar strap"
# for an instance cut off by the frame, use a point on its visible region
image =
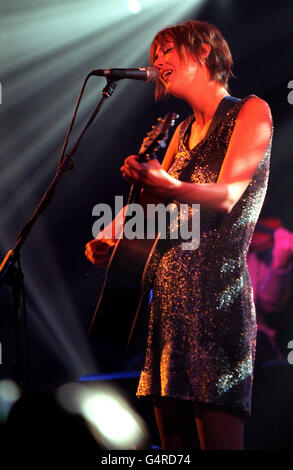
(224, 106)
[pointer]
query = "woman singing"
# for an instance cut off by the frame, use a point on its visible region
(202, 328)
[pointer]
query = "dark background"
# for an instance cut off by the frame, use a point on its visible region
(61, 285)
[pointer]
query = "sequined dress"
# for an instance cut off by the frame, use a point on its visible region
(202, 326)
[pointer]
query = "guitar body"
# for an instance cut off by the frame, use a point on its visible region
(124, 291)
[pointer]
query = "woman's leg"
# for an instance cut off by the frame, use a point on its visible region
(175, 422)
(219, 428)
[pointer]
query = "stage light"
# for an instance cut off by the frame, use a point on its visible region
(111, 419)
(9, 394)
(134, 6)
(51, 49)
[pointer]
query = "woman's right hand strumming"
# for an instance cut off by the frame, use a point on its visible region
(98, 251)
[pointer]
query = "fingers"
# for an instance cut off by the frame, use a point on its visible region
(97, 251)
(100, 263)
(100, 243)
(130, 174)
(132, 161)
(133, 170)
(96, 248)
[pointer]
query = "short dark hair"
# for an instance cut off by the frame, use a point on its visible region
(191, 36)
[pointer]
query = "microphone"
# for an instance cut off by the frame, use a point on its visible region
(148, 74)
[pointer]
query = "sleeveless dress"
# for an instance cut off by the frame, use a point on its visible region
(202, 326)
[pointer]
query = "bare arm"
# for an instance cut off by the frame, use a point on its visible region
(247, 146)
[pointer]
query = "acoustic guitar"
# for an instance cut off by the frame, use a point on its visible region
(123, 292)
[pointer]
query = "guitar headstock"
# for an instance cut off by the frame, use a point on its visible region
(157, 137)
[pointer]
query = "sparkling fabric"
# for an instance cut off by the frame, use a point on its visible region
(202, 326)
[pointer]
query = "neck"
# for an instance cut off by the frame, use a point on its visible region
(204, 101)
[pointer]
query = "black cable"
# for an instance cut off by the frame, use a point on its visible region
(24, 316)
(73, 120)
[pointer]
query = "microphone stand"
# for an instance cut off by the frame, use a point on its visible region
(12, 275)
